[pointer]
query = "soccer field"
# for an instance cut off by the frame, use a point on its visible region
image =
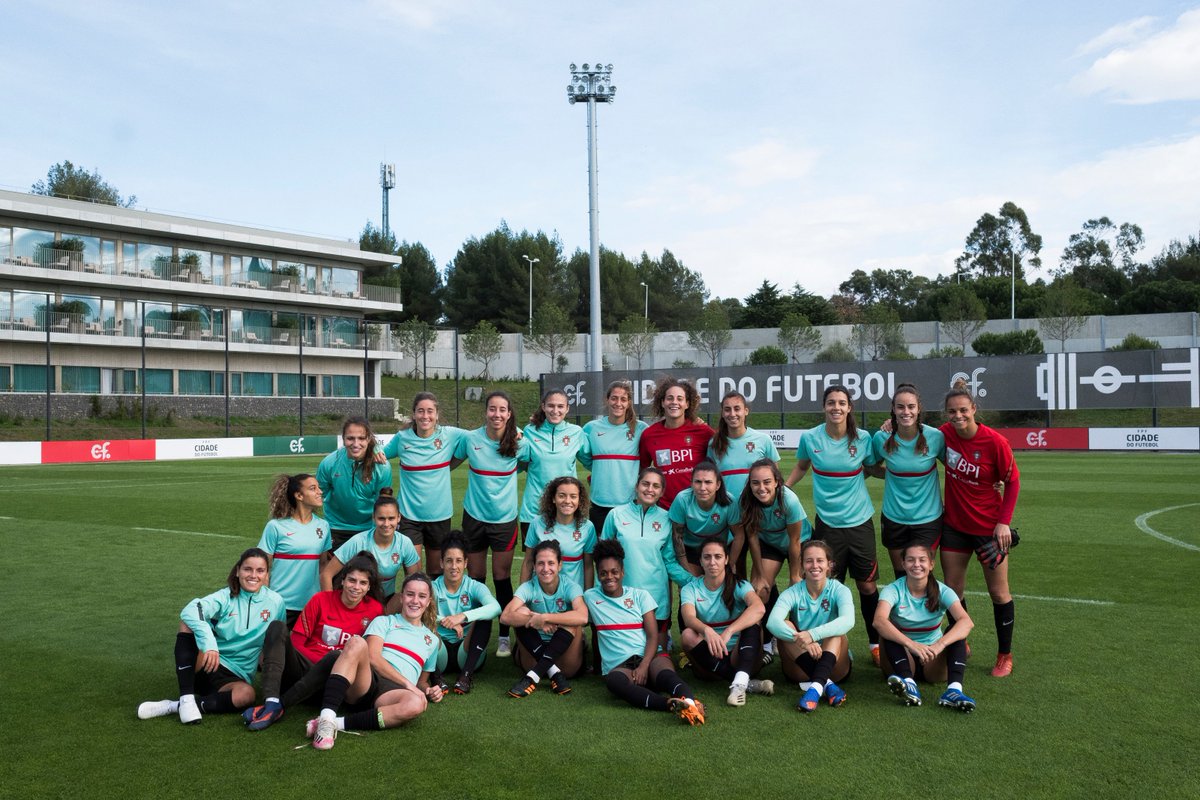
(1101, 704)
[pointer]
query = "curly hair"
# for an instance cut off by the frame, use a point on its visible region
(547, 509)
(691, 413)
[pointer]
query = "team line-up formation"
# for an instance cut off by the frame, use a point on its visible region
(349, 620)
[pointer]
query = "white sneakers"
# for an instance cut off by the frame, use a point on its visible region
(189, 712)
(737, 691)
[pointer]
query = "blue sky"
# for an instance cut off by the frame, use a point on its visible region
(792, 142)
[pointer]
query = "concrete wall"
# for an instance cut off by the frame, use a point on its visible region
(79, 406)
(1100, 333)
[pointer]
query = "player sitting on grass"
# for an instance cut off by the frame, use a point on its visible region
(909, 620)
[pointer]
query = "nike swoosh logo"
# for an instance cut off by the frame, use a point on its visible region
(1006, 624)
(599, 434)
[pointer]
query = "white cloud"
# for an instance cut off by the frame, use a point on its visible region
(1118, 35)
(769, 161)
(421, 14)
(1142, 67)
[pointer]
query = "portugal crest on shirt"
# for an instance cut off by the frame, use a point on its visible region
(824, 603)
(853, 450)
(629, 435)
(657, 527)
(577, 535)
(428, 639)
(437, 444)
(566, 440)
(395, 558)
(976, 455)
(559, 604)
(749, 447)
(715, 517)
(629, 602)
(687, 439)
(465, 599)
(320, 532)
(265, 614)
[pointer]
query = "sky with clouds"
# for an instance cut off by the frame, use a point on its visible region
(789, 142)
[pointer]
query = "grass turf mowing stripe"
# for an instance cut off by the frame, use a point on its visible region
(190, 533)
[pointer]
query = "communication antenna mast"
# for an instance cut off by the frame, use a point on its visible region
(387, 179)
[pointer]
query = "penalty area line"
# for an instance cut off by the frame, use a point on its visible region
(1144, 526)
(189, 533)
(1076, 600)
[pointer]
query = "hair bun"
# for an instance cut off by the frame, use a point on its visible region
(386, 492)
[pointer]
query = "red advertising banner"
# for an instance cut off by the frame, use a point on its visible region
(106, 450)
(1046, 438)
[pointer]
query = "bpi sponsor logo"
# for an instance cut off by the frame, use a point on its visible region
(959, 463)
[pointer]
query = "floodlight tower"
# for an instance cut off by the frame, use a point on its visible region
(387, 179)
(593, 84)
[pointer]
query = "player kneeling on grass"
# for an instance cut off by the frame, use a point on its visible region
(390, 669)
(721, 616)
(627, 632)
(220, 638)
(811, 620)
(909, 620)
(295, 667)
(547, 615)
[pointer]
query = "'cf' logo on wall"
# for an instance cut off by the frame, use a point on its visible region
(974, 382)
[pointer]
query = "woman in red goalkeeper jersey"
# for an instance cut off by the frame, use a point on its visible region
(982, 484)
(678, 441)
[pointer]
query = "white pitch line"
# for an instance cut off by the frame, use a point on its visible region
(1144, 526)
(78, 485)
(1076, 600)
(190, 533)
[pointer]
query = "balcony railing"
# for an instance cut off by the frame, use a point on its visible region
(182, 272)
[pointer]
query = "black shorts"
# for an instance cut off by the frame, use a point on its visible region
(955, 541)
(501, 536)
(380, 685)
(210, 682)
(598, 514)
(768, 550)
(339, 536)
(429, 534)
(853, 549)
(897, 536)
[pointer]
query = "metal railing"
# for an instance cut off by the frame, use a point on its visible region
(183, 272)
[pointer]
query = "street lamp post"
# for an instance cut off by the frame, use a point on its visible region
(593, 84)
(531, 261)
(646, 286)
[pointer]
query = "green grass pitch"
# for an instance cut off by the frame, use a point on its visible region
(1102, 702)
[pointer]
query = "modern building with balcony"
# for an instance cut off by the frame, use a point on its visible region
(118, 302)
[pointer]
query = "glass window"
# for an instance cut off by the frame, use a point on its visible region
(29, 310)
(312, 279)
(257, 272)
(288, 383)
(345, 282)
(345, 385)
(153, 260)
(195, 381)
(5, 379)
(257, 383)
(157, 317)
(218, 269)
(158, 381)
(126, 381)
(88, 245)
(85, 306)
(5, 242)
(29, 378)
(258, 323)
(108, 256)
(80, 380)
(235, 383)
(129, 258)
(198, 264)
(27, 242)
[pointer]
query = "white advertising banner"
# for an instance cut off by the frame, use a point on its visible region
(13, 453)
(1144, 439)
(184, 449)
(784, 438)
